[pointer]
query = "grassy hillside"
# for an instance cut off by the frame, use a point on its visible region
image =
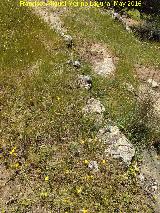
(92, 26)
(46, 143)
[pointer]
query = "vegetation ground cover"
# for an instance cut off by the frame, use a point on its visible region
(46, 143)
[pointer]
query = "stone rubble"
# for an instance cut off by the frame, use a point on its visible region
(93, 166)
(76, 63)
(101, 59)
(85, 81)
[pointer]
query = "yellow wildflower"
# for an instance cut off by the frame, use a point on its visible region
(46, 178)
(44, 194)
(88, 177)
(67, 171)
(58, 98)
(82, 141)
(155, 197)
(16, 165)
(86, 161)
(12, 151)
(79, 190)
(95, 139)
(67, 200)
(84, 211)
(125, 177)
(103, 161)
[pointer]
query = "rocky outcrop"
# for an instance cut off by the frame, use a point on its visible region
(118, 146)
(149, 176)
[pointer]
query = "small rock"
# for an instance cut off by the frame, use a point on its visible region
(141, 178)
(76, 64)
(93, 106)
(116, 16)
(68, 39)
(93, 166)
(152, 83)
(147, 93)
(128, 28)
(85, 81)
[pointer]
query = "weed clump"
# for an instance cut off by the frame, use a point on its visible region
(143, 128)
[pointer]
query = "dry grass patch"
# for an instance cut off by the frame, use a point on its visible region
(145, 72)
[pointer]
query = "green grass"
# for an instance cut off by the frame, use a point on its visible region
(46, 143)
(135, 14)
(92, 25)
(97, 27)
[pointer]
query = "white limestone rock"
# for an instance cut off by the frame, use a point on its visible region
(68, 39)
(93, 106)
(77, 64)
(118, 146)
(152, 83)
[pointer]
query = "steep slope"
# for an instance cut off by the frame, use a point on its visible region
(52, 154)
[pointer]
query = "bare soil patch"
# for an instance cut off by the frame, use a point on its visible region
(144, 73)
(100, 57)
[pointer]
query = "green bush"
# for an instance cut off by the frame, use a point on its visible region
(135, 14)
(143, 128)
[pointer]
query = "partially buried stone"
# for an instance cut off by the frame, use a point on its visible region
(152, 83)
(116, 16)
(93, 106)
(68, 39)
(85, 81)
(93, 166)
(76, 64)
